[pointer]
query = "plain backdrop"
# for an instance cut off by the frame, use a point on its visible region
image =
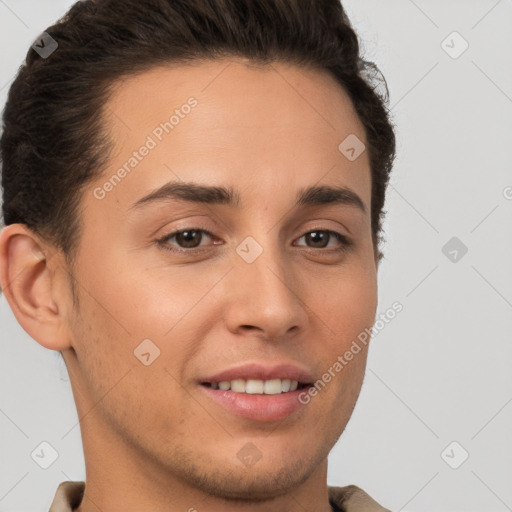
(432, 427)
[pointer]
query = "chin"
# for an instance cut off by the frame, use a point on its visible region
(255, 484)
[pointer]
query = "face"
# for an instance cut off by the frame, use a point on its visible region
(252, 277)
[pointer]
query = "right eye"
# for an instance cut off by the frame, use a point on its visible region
(190, 237)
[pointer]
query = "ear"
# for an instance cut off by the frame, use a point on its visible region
(32, 288)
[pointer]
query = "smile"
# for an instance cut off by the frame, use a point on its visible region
(256, 386)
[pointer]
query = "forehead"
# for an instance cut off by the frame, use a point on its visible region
(231, 123)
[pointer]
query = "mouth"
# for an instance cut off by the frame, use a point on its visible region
(257, 400)
(258, 387)
(260, 391)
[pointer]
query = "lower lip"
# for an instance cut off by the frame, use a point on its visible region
(257, 407)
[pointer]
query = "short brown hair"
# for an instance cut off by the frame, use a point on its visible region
(53, 142)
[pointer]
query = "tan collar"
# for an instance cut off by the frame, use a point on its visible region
(349, 498)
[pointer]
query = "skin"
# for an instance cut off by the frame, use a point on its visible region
(152, 440)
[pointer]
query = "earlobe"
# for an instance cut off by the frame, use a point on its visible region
(29, 286)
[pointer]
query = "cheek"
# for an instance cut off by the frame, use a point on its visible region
(346, 311)
(124, 315)
(349, 305)
(126, 300)
(103, 347)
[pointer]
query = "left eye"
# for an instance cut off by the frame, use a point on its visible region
(325, 235)
(189, 239)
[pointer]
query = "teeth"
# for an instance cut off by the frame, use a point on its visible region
(257, 387)
(237, 385)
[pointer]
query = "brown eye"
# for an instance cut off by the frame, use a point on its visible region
(189, 239)
(320, 238)
(186, 240)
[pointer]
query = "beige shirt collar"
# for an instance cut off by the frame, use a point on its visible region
(349, 498)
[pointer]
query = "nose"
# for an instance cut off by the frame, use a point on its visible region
(266, 295)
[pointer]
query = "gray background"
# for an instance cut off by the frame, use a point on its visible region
(440, 371)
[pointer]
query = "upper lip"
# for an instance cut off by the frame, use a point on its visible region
(260, 371)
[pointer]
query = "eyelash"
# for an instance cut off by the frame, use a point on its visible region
(162, 242)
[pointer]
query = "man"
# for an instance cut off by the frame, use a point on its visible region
(193, 198)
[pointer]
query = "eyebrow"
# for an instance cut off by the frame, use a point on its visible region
(218, 195)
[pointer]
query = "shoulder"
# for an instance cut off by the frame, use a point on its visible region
(351, 498)
(68, 496)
